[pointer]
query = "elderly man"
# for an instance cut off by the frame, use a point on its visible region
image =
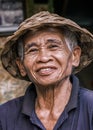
(48, 50)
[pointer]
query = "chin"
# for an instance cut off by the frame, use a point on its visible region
(46, 83)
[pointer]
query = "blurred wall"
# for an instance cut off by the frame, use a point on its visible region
(9, 86)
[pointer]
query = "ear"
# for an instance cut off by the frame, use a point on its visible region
(76, 56)
(21, 67)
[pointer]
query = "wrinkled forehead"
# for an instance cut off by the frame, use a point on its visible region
(52, 30)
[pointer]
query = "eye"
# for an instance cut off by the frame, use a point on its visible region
(32, 51)
(53, 46)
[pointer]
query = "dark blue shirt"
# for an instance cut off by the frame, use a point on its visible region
(19, 113)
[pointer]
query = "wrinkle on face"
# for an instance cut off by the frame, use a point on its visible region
(45, 49)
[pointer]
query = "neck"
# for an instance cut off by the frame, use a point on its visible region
(53, 99)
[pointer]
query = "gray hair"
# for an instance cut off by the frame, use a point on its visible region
(71, 39)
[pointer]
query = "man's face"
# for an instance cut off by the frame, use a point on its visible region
(47, 59)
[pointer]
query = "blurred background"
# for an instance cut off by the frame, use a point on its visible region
(13, 12)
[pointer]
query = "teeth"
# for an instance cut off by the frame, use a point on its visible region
(45, 69)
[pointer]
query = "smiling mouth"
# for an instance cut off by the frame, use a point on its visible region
(46, 71)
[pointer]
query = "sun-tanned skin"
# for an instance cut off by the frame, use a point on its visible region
(48, 62)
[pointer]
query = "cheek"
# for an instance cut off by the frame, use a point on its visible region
(29, 65)
(61, 57)
(65, 62)
(69, 66)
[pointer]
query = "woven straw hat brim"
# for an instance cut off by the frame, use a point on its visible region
(40, 19)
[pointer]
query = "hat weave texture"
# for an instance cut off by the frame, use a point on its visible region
(42, 18)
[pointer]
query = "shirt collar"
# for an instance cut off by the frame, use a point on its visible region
(30, 95)
(29, 100)
(73, 102)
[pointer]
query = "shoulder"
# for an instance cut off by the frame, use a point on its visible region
(9, 112)
(86, 97)
(11, 106)
(86, 93)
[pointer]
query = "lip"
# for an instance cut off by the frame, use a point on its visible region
(46, 70)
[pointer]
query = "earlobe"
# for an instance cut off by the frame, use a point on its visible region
(21, 67)
(76, 56)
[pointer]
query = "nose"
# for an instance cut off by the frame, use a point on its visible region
(44, 56)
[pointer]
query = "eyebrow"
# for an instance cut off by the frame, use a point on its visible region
(54, 41)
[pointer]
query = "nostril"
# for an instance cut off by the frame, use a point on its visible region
(44, 57)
